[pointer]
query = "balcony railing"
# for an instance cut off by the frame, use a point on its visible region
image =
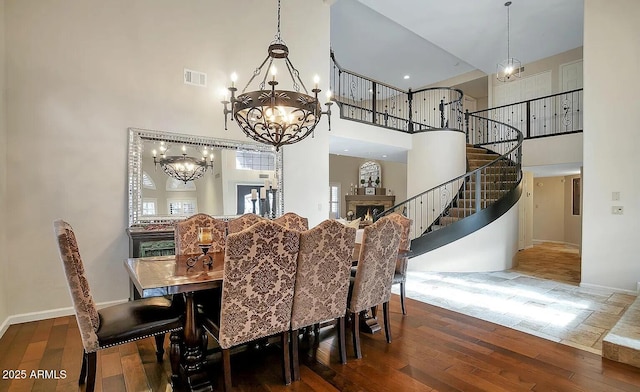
(364, 100)
(546, 116)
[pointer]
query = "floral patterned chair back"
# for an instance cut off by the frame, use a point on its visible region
(259, 276)
(322, 281)
(186, 236)
(405, 243)
(376, 264)
(86, 312)
(243, 222)
(291, 220)
(402, 262)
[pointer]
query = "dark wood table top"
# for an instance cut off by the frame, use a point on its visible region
(163, 275)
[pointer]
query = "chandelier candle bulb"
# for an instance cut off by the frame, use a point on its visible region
(234, 78)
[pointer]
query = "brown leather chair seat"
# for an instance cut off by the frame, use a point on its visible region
(131, 320)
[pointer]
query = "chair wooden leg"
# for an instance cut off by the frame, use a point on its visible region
(92, 358)
(402, 295)
(387, 324)
(83, 369)
(341, 341)
(226, 368)
(286, 363)
(295, 360)
(159, 347)
(355, 329)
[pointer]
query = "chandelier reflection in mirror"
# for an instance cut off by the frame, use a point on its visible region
(276, 117)
(183, 167)
(510, 68)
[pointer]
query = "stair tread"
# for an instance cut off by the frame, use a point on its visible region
(622, 343)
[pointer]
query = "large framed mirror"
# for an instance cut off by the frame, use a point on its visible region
(370, 174)
(234, 170)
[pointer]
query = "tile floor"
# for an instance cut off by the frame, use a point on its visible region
(557, 311)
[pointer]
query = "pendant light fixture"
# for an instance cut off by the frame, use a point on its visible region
(509, 69)
(273, 116)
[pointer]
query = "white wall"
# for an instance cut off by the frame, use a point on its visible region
(436, 157)
(554, 150)
(3, 180)
(611, 140)
(79, 73)
(489, 249)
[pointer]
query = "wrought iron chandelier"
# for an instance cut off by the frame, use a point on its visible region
(510, 68)
(276, 117)
(183, 167)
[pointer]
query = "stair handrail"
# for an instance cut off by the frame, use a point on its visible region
(423, 221)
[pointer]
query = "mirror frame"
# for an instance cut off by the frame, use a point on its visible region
(138, 136)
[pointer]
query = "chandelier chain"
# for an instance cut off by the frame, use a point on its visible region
(278, 33)
(508, 32)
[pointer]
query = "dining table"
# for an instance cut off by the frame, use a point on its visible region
(172, 275)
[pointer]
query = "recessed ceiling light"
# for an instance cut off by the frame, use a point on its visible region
(384, 156)
(406, 76)
(346, 150)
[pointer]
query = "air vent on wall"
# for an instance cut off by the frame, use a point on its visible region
(263, 176)
(195, 78)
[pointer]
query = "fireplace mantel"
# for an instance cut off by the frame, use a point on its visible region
(353, 201)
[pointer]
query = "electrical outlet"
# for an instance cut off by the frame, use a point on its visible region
(617, 210)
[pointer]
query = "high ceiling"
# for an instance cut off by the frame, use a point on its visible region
(434, 40)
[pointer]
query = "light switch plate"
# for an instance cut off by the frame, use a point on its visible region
(615, 196)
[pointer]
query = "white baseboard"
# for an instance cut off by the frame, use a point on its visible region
(4, 326)
(46, 314)
(616, 290)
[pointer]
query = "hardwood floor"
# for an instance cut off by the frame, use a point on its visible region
(552, 261)
(432, 349)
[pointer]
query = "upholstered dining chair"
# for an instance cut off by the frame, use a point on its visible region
(186, 234)
(244, 221)
(115, 324)
(322, 282)
(257, 291)
(376, 265)
(400, 273)
(291, 220)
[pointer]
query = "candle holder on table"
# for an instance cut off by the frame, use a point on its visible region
(205, 241)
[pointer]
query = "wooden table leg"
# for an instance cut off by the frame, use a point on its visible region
(368, 323)
(193, 357)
